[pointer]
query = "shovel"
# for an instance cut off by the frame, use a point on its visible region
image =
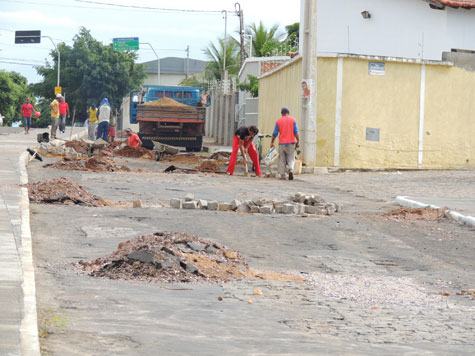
(246, 169)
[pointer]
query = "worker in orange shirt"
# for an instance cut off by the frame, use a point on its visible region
(133, 140)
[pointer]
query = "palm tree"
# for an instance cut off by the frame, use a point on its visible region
(216, 55)
(264, 40)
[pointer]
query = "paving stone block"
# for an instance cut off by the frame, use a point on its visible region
(176, 203)
(202, 204)
(189, 267)
(224, 207)
(289, 209)
(195, 246)
(213, 205)
(254, 209)
(235, 204)
(310, 209)
(190, 204)
(266, 209)
(137, 204)
(189, 197)
(243, 208)
(279, 209)
(163, 264)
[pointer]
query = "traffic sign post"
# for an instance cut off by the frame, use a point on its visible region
(27, 37)
(126, 44)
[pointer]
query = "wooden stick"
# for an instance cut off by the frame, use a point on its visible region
(72, 124)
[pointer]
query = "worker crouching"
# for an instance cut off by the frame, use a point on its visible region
(243, 141)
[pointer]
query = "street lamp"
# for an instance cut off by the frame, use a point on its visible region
(59, 57)
(158, 61)
(250, 44)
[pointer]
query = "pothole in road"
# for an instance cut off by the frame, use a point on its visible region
(174, 257)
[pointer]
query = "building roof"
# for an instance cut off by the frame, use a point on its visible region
(175, 65)
(466, 4)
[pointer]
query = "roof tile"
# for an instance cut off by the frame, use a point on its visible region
(467, 4)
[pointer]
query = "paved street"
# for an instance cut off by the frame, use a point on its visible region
(372, 284)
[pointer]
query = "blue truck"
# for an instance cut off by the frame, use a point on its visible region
(179, 122)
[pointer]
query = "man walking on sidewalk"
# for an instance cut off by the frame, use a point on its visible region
(286, 129)
(54, 116)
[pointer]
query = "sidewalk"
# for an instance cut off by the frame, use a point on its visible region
(18, 323)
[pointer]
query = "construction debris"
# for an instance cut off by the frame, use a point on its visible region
(135, 152)
(94, 164)
(169, 257)
(64, 191)
(412, 214)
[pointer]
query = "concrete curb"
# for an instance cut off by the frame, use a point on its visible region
(30, 344)
(463, 219)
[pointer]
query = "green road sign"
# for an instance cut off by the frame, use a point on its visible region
(126, 44)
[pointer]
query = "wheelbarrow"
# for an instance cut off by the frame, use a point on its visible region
(160, 149)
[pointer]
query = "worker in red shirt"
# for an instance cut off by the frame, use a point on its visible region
(286, 129)
(133, 140)
(63, 111)
(26, 110)
(242, 142)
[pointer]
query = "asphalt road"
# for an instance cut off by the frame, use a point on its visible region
(372, 284)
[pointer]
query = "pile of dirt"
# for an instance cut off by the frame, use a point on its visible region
(64, 191)
(169, 257)
(412, 214)
(134, 152)
(208, 166)
(166, 102)
(94, 164)
(79, 146)
(186, 158)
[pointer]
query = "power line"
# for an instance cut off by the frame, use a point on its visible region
(22, 60)
(24, 64)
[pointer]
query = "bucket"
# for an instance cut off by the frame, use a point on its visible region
(44, 137)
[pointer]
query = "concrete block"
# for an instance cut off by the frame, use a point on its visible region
(330, 209)
(338, 207)
(224, 207)
(163, 264)
(310, 209)
(301, 208)
(176, 203)
(278, 209)
(137, 204)
(289, 209)
(254, 209)
(202, 204)
(189, 197)
(277, 203)
(266, 209)
(190, 204)
(244, 208)
(213, 205)
(235, 204)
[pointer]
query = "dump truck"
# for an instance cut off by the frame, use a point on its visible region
(172, 115)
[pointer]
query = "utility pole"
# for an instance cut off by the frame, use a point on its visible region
(224, 77)
(239, 13)
(187, 61)
(309, 76)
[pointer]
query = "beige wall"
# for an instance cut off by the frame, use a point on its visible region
(390, 103)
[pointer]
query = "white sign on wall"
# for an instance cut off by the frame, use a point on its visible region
(376, 68)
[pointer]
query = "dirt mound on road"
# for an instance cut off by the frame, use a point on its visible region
(411, 214)
(169, 257)
(64, 191)
(94, 164)
(134, 152)
(220, 155)
(208, 166)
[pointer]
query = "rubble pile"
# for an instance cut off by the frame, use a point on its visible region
(64, 191)
(412, 214)
(79, 146)
(170, 257)
(94, 164)
(57, 147)
(208, 166)
(300, 203)
(220, 156)
(186, 158)
(134, 152)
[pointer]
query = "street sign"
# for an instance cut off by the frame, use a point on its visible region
(57, 90)
(126, 44)
(27, 36)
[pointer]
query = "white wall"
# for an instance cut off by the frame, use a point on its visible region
(399, 28)
(165, 79)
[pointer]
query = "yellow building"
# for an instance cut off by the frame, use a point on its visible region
(380, 112)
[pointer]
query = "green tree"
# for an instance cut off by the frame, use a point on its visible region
(216, 55)
(292, 40)
(13, 91)
(91, 71)
(252, 86)
(264, 41)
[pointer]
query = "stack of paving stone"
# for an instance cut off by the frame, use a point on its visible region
(298, 204)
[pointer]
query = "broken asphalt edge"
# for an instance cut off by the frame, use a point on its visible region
(463, 219)
(30, 343)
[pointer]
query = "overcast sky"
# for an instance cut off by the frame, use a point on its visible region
(169, 32)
